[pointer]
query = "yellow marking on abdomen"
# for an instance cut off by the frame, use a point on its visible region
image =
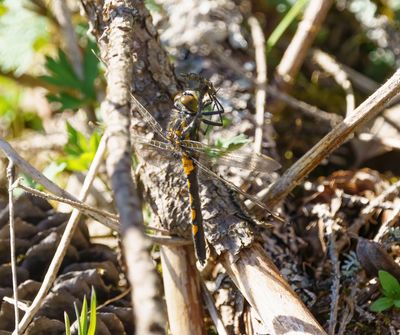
(188, 166)
(195, 229)
(194, 213)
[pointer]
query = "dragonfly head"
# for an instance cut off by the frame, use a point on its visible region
(187, 101)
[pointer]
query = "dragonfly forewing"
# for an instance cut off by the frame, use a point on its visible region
(148, 118)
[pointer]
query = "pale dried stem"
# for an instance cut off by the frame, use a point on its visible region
(362, 114)
(11, 177)
(66, 238)
(331, 66)
(268, 293)
(146, 299)
(296, 52)
(37, 176)
(335, 287)
(181, 287)
(212, 309)
(261, 88)
(67, 30)
(319, 115)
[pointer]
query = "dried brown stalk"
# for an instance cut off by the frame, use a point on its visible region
(69, 229)
(269, 294)
(261, 89)
(11, 177)
(180, 277)
(331, 66)
(116, 51)
(63, 16)
(362, 114)
(296, 52)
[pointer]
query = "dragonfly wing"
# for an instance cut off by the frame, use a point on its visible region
(235, 188)
(148, 118)
(163, 149)
(240, 159)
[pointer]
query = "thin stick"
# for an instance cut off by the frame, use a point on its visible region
(363, 113)
(65, 240)
(67, 31)
(336, 276)
(112, 221)
(21, 305)
(261, 85)
(116, 298)
(182, 291)
(117, 52)
(84, 208)
(37, 176)
(11, 176)
(210, 304)
(294, 56)
(330, 65)
(309, 110)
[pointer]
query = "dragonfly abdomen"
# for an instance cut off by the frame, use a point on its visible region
(190, 170)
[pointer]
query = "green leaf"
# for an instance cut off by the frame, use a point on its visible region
(390, 284)
(67, 324)
(75, 164)
(93, 316)
(397, 303)
(90, 70)
(3, 9)
(233, 143)
(61, 72)
(285, 23)
(83, 319)
(72, 147)
(94, 142)
(381, 304)
(66, 100)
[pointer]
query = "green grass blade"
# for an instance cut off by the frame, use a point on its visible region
(83, 319)
(67, 324)
(93, 316)
(285, 23)
(77, 319)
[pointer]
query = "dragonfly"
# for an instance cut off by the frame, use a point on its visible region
(192, 108)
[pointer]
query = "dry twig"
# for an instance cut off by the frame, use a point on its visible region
(210, 304)
(64, 242)
(331, 66)
(146, 299)
(363, 113)
(67, 30)
(37, 176)
(11, 177)
(261, 89)
(296, 52)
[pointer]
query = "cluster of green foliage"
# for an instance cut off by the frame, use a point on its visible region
(75, 92)
(391, 293)
(79, 151)
(86, 325)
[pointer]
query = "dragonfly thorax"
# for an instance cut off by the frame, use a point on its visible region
(187, 102)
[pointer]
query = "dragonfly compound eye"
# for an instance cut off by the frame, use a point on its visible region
(189, 100)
